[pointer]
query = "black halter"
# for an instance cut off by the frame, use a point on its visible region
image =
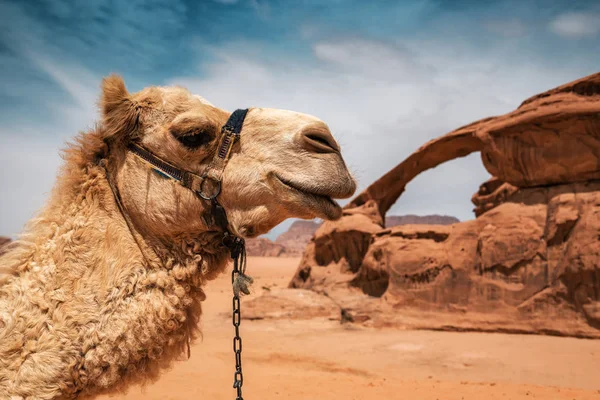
(207, 186)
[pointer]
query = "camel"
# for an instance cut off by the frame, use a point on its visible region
(90, 304)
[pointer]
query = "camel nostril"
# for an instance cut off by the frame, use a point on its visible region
(319, 142)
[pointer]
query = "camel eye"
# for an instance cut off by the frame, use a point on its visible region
(193, 130)
(194, 140)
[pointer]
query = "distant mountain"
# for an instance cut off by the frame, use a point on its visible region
(263, 247)
(394, 220)
(288, 244)
(297, 237)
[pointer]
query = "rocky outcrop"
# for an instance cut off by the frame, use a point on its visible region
(341, 246)
(528, 265)
(491, 193)
(552, 138)
(529, 262)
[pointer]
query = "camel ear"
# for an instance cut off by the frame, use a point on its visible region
(119, 112)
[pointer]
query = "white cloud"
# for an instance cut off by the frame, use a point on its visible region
(29, 174)
(365, 57)
(576, 25)
(31, 149)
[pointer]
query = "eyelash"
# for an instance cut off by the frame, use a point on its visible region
(195, 140)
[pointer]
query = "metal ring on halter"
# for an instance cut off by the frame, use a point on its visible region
(217, 217)
(213, 195)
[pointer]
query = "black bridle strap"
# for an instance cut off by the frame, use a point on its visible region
(230, 133)
(187, 179)
(156, 162)
(236, 121)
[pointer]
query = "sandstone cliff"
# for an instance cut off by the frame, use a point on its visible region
(528, 263)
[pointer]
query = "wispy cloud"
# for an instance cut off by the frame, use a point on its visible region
(576, 25)
(81, 85)
(30, 148)
(30, 145)
(364, 57)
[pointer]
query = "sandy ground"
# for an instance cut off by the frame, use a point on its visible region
(325, 360)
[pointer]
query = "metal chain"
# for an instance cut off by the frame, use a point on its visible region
(238, 256)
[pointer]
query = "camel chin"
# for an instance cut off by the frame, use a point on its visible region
(311, 200)
(325, 207)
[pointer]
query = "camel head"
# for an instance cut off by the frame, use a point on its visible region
(285, 164)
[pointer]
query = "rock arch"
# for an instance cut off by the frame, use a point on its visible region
(527, 263)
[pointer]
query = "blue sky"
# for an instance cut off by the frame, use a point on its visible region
(386, 76)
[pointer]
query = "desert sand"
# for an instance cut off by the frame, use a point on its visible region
(320, 359)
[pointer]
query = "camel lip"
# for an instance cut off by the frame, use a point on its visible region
(299, 188)
(324, 203)
(306, 189)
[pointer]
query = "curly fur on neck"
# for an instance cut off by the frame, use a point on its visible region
(80, 309)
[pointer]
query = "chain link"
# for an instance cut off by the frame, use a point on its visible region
(238, 376)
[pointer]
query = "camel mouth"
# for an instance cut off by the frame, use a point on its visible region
(315, 197)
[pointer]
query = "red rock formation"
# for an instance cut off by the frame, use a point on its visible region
(491, 193)
(386, 190)
(527, 263)
(552, 138)
(340, 245)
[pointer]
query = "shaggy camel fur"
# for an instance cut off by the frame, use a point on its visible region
(81, 310)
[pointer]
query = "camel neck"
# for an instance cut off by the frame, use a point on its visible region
(94, 309)
(135, 235)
